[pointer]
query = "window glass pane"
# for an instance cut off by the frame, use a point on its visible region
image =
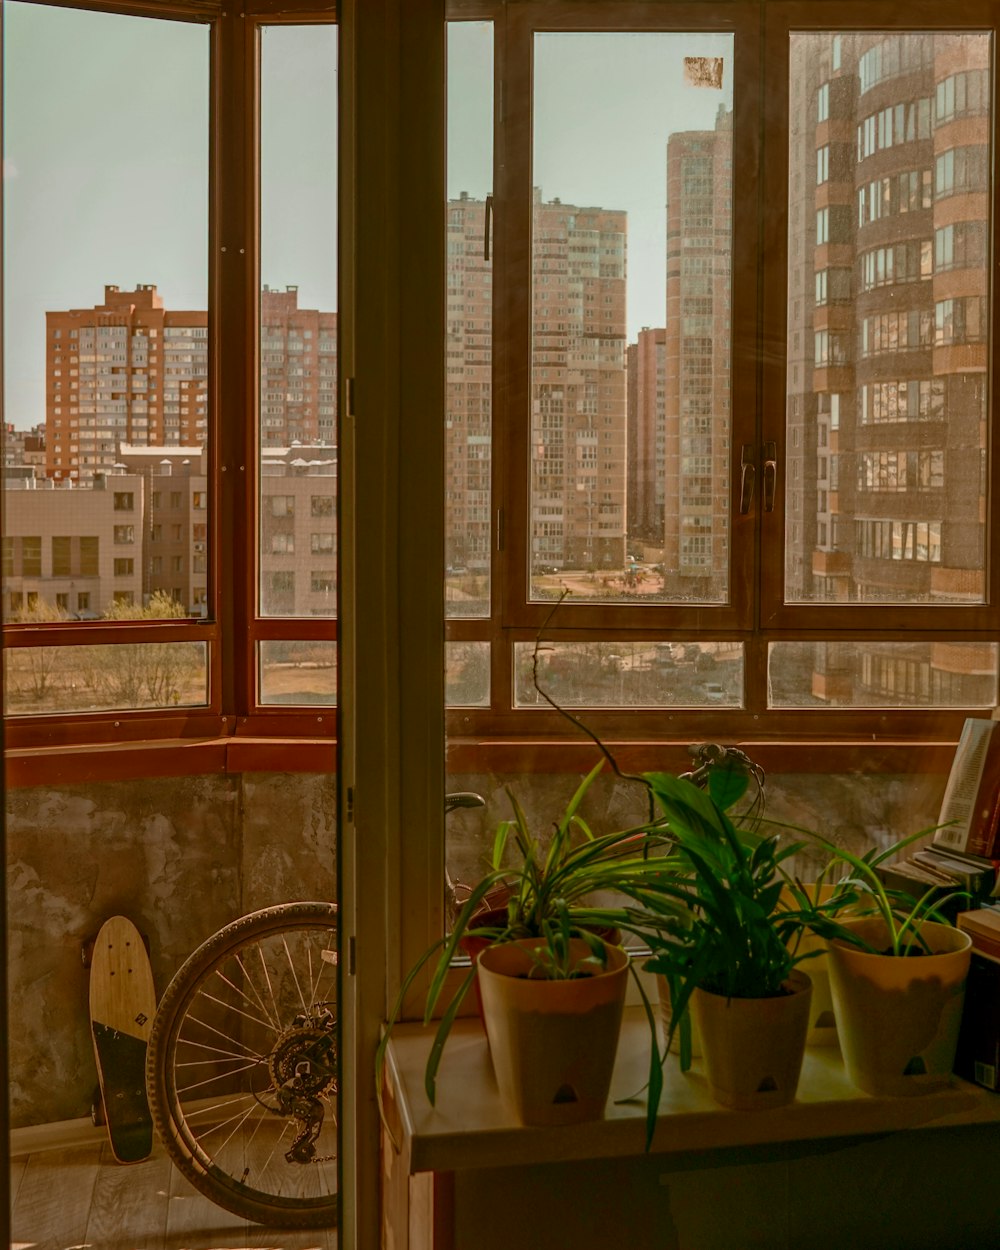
(469, 333)
(888, 377)
(630, 674)
(106, 379)
(467, 674)
(631, 261)
(882, 674)
(298, 672)
(298, 322)
(123, 677)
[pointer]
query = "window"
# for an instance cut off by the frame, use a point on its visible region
(61, 557)
(881, 426)
(123, 381)
(869, 252)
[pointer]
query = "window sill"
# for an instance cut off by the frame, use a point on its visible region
(69, 765)
(470, 1127)
(829, 755)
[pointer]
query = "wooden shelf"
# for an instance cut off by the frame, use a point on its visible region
(469, 1127)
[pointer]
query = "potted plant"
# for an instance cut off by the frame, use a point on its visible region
(736, 962)
(551, 885)
(897, 977)
(552, 1008)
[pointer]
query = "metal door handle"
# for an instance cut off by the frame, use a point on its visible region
(748, 478)
(770, 475)
(488, 227)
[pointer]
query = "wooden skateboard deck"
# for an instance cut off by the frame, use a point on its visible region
(122, 1006)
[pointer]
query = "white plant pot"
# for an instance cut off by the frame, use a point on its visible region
(553, 1043)
(752, 1048)
(898, 1016)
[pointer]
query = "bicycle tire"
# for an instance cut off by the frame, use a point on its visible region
(242, 1071)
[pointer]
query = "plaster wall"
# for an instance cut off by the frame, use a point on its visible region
(182, 856)
(179, 856)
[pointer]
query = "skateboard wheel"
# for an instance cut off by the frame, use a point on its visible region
(97, 1113)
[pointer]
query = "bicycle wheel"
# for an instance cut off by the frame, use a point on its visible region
(242, 1069)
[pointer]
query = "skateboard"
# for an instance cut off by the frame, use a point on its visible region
(122, 1006)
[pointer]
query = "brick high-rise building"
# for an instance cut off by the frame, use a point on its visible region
(298, 371)
(888, 343)
(131, 372)
(125, 371)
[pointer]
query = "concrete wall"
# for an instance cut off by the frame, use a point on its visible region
(182, 856)
(178, 856)
(851, 810)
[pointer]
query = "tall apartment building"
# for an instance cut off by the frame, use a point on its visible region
(578, 386)
(697, 360)
(298, 371)
(887, 427)
(647, 379)
(125, 371)
(131, 372)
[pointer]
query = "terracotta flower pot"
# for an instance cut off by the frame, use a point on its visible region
(752, 1048)
(553, 1043)
(898, 1016)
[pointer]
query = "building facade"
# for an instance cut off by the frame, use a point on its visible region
(131, 372)
(698, 362)
(888, 342)
(578, 387)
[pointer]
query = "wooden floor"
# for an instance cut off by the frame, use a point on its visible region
(79, 1197)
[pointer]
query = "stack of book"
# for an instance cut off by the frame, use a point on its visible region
(978, 1054)
(964, 853)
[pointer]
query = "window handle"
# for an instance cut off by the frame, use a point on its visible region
(748, 477)
(770, 475)
(488, 227)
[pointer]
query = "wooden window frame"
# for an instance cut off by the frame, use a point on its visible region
(756, 615)
(233, 630)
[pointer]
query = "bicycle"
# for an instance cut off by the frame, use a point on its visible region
(242, 1069)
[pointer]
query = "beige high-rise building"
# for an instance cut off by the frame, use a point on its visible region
(578, 387)
(647, 377)
(698, 365)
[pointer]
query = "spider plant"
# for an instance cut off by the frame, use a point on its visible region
(742, 938)
(862, 885)
(551, 886)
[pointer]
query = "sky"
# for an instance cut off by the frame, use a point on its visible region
(605, 104)
(106, 170)
(106, 157)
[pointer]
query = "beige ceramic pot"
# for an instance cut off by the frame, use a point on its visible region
(553, 1043)
(752, 1048)
(898, 1017)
